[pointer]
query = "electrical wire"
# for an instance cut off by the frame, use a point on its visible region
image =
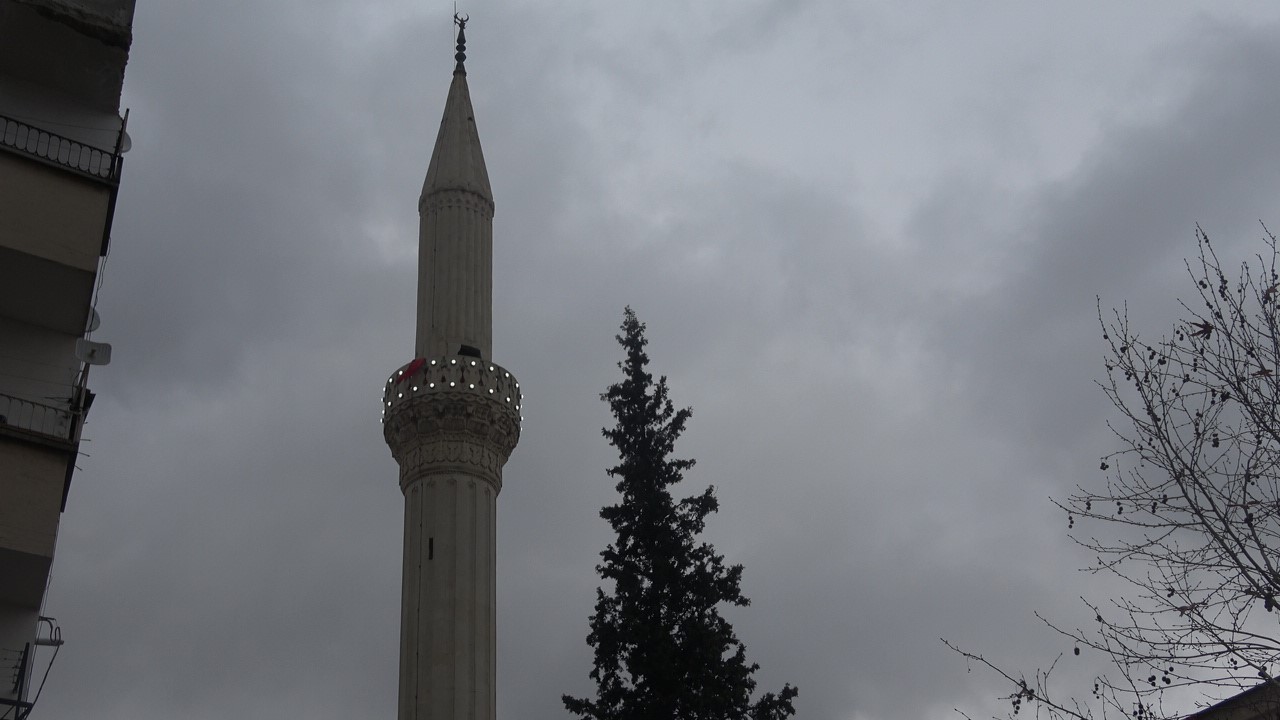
(102, 266)
(102, 271)
(47, 668)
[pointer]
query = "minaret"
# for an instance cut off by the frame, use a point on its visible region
(452, 417)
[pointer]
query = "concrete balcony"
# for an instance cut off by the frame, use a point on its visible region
(38, 420)
(57, 200)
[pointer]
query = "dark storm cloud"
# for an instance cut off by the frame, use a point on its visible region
(1119, 228)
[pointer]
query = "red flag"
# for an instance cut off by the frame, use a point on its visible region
(411, 368)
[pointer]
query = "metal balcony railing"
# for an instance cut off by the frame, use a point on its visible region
(102, 165)
(55, 422)
(14, 669)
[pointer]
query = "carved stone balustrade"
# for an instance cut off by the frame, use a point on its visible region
(451, 414)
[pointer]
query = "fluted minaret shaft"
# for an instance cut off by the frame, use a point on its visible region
(452, 417)
(451, 424)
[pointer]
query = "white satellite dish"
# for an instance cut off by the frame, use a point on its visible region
(126, 142)
(94, 353)
(94, 321)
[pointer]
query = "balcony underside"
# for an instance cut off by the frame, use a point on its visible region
(44, 293)
(25, 577)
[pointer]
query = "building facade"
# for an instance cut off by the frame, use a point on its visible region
(61, 136)
(452, 417)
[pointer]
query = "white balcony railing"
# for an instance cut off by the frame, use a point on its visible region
(56, 422)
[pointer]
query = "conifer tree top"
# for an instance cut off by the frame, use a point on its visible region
(662, 650)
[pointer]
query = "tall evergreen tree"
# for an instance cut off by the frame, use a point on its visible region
(662, 650)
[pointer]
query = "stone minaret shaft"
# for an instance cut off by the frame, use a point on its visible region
(451, 417)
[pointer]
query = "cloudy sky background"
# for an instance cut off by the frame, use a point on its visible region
(866, 238)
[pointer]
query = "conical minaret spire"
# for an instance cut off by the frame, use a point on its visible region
(455, 232)
(452, 417)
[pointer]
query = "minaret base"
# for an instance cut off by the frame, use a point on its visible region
(448, 612)
(451, 423)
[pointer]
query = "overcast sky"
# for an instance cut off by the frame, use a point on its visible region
(866, 237)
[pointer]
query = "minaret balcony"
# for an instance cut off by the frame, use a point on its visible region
(452, 374)
(455, 411)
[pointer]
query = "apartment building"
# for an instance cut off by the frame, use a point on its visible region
(62, 65)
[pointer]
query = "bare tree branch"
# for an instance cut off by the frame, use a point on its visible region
(1188, 515)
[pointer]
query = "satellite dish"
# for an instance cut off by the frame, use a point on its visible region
(126, 142)
(94, 321)
(94, 353)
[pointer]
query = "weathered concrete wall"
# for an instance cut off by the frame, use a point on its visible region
(76, 47)
(31, 480)
(51, 213)
(37, 363)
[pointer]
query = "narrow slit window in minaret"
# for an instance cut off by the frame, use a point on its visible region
(431, 548)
